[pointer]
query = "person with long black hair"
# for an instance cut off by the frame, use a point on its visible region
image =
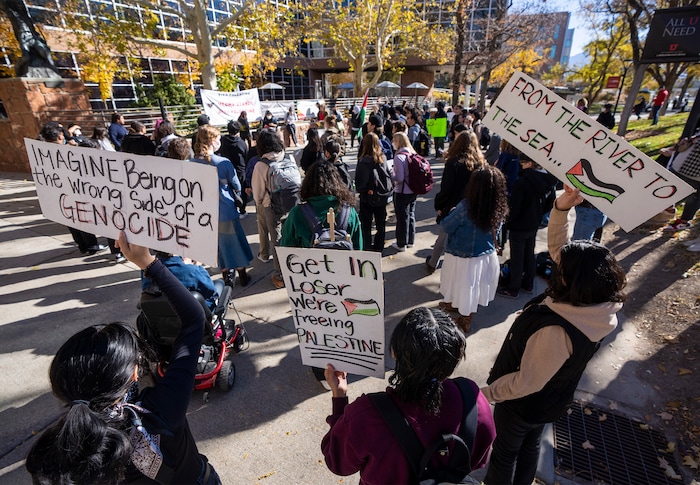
(370, 172)
(111, 433)
(470, 272)
(546, 351)
(427, 347)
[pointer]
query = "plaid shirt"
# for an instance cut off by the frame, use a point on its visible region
(691, 165)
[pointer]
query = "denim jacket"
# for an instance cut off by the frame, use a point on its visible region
(464, 239)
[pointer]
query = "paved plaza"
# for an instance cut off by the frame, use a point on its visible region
(268, 429)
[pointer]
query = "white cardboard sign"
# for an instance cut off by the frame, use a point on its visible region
(337, 302)
(221, 107)
(618, 179)
(161, 203)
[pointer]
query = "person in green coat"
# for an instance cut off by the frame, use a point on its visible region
(323, 188)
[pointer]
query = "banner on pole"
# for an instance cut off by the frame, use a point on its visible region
(618, 179)
(221, 107)
(337, 303)
(161, 203)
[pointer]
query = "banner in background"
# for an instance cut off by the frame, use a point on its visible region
(278, 109)
(618, 179)
(337, 302)
(307, 109)
(222, 107)
(161, 203)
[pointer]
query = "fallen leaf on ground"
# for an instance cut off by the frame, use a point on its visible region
(662, 368)
(267, 475)
(673, 404)
(644, 426)
(569, 411)
(665, 416)
(602, 417)
(613, 405)
(682, 371)
(587, 411)
(690, 462)
(587, 445)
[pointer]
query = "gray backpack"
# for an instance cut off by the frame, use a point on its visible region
(285, 184)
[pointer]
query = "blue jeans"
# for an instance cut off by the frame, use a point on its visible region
(212, 479)
(515, 450)
(405, 208)
(588, 219)
(655, 114)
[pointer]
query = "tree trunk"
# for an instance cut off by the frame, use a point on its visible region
(484, 86)
(459, 54)
(631, 98)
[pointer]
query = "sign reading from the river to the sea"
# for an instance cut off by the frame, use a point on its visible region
(618, 179)
(337, 302)
(161, 203)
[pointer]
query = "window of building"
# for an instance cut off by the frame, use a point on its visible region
(556, 32)
(553, 52)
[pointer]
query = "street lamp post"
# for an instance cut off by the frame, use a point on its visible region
(622, 83)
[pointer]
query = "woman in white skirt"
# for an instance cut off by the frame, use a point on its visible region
(470, 271)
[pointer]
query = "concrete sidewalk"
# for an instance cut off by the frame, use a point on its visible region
(268, 429)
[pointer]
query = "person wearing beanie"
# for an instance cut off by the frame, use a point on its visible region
(202, 120)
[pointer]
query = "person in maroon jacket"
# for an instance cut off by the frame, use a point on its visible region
(427, 346)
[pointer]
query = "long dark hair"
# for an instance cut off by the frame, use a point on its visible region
(323, 178)
(427, 346)
(332, 147)
(587, 274)
(486, 198)
(465, 149)
(314, 140)
(371, 148)
(91, 373)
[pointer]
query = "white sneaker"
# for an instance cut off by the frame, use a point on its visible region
(695, 248)
(409, 246)
(243, 216)
(263, 259)
(400, 249)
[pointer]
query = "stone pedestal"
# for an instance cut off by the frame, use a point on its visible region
(29, 103)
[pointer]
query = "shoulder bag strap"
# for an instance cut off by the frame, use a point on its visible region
(310, 218)
(470, 410)
(402, 431)
(341, 222)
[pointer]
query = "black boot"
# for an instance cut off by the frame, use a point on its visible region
(243, 277)
(229, 278)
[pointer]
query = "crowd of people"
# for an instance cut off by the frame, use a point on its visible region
(490, 194)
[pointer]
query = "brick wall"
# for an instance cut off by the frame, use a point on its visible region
(27, 102)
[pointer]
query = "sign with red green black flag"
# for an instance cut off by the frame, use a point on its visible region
(617, 178)
(337, 307)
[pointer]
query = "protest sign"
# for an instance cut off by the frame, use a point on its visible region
(161, 203)
(337, 301)
(611, 174)
(221, 107)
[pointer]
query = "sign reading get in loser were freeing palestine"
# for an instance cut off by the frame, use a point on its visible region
(337, 303)
(161, 203)
(618, 179)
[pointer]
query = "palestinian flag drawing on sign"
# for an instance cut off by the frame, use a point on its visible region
(369, 308)
(582, 177)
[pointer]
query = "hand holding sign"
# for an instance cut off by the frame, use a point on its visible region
(570, 198)
(618, 179)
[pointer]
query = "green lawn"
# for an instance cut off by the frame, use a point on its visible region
(650, 139)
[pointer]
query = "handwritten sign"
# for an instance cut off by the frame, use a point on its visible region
(337, 301)
(164, 204)
(221, 107)
(618, 179)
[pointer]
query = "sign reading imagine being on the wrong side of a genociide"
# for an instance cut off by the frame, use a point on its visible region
(618, 179)
(337, 302)
(161, 203)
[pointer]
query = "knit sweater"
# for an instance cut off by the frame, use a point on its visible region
(360, 440)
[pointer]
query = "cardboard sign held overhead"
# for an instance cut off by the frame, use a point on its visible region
(618, 179)
(337, 302)
(161, 203)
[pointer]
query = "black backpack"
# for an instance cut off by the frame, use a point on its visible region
(423, 143)
(321, 235)
(383, 186)
(459, 465)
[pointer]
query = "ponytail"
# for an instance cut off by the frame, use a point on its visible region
(82, 448)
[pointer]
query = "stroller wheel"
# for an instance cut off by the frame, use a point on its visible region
(227, 376)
